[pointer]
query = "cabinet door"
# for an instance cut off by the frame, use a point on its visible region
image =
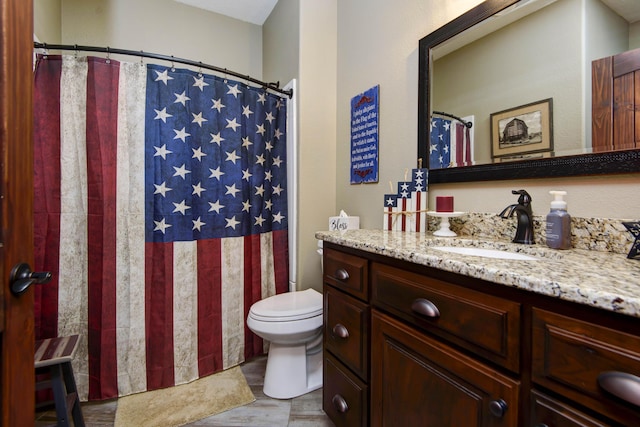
(414, 378)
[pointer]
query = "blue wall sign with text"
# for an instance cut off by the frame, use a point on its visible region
(364, 136)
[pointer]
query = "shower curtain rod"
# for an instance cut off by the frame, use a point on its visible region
(272, 86)
(467, 124)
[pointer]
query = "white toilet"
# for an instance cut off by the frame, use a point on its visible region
(292, 323)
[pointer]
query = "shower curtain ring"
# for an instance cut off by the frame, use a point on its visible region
(200, 69)
(108, 61)
(141, 58)
(75, 51)
(173, 65)
(225, 75)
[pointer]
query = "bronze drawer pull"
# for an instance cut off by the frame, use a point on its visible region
(340, 404)
(340, 331)
(425, 307)
(498, 408)
(342, 274)
(622, 385)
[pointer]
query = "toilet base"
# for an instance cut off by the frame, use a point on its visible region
(292, 371)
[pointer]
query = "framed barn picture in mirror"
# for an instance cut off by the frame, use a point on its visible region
(519, 132)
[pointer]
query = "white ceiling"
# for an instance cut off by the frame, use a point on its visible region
(626, 8)
(253, 11)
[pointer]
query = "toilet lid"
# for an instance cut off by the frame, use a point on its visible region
(288, 306)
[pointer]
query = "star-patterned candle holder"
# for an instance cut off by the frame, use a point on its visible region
(634, 229)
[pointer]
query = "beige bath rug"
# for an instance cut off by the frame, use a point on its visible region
(179, 405)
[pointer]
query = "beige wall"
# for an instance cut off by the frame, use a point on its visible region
(159, 26)
(281, 42)
(317, 131)
(634, 35)
(300, 40)
(47, 24)
(378, 44)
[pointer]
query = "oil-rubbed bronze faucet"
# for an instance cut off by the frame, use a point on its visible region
(522, 209)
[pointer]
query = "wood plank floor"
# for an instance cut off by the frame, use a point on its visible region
(302, 411)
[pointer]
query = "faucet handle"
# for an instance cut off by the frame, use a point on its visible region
(524, 198)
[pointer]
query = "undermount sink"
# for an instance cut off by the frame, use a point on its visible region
(487, 253)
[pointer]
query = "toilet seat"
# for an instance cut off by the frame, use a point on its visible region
(288, 307)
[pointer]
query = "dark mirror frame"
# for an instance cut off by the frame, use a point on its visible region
(624, 161)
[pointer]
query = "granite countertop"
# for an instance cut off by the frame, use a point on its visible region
(609, 281)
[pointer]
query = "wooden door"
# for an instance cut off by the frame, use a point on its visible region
(616, 102)
(418, 381)
(16, 210)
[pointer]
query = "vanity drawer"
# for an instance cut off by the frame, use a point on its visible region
(569, 355)
(346, 330)
(488, 326)
(550, 412)
(344, 396)
(346, 272)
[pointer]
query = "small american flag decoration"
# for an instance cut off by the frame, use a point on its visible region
(406, 209)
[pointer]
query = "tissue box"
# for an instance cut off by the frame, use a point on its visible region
(344, 223)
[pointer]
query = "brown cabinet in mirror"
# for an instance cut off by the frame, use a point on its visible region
(616, 101)
(558, 160)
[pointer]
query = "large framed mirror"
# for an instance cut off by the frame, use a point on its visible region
(545, 59)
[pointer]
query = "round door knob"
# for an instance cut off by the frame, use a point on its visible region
(21, 277)
(498, 408)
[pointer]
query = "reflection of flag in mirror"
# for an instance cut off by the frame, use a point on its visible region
(451, 143)
(440, 143)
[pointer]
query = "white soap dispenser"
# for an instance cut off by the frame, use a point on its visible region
(558, 222)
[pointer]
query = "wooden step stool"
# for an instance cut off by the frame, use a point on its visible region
(54, 356)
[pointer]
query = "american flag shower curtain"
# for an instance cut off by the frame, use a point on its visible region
(161, 210)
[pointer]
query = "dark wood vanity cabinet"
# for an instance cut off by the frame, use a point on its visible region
(430, 348)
